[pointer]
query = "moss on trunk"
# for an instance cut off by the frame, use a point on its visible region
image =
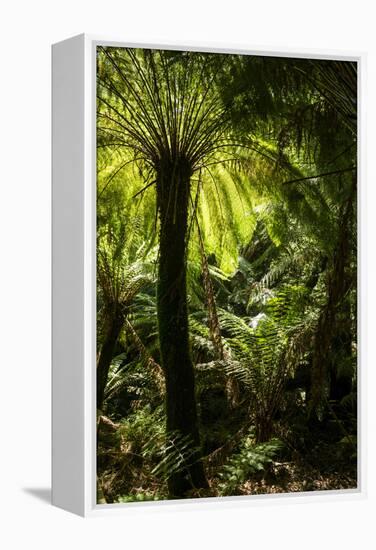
(173, 187)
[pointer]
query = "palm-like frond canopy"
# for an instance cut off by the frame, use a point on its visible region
(161, 104)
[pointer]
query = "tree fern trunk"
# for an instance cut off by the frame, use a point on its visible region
(173, 186)
(105, 358)
(338, 283)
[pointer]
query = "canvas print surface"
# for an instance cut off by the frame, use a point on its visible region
(226, 275)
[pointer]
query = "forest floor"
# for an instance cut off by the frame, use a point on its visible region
(290, 477)
(323, 468)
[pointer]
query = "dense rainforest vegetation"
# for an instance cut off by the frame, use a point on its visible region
(226, 275)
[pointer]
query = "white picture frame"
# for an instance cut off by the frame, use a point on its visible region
(73, 277)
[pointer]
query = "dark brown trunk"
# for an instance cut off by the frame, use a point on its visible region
(173, 187)
(264, 430)
(105, 358)
(337, 286)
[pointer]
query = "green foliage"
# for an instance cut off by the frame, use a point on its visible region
(142, 427)
(250, 459)
(172, 454)
(266, 351)
(133, 381)
(143, 442)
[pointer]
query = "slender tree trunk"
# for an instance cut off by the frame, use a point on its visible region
(173, 186)
(264, 429)
(337, 286)
(105, 358)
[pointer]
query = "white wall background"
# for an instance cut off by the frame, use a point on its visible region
(27, 30)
